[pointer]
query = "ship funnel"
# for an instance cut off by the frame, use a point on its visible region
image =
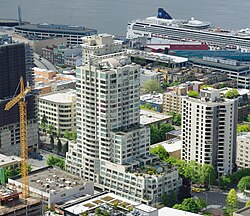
(162, 14)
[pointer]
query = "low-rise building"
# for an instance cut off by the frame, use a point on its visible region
(9, 161)
(172, 99)
(54, 185)
(154, 100)
(60, 110)
(47, 81)
(173, 147)
(243, 150)
(147, 75)
(148, 117)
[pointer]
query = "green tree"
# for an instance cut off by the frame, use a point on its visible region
(244, 184)
(50, 129)
(56, 161)
(160, 151)
(44, 123)
(176, 118)
(65, 148)
(165, 200)
(67, 135)
(201, 203)
(58, 132)
(158, 132)
(188, 204)
(231, 202)
(192, 171)
(224, 182)
(52, 142)
(233, 93)
(59, 145)
(98, 211)
(248, 117)
(193, 94)
(152, 86)
(164, 86)
(243, 128)
(248, 203)
(207, 174)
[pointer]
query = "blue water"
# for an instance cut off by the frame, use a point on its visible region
(112, 15)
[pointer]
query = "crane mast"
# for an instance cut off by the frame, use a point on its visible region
(20, 99)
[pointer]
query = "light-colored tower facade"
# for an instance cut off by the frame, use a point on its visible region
(111, 144)
(209, 129)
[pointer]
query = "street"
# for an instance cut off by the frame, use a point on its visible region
(215, 198)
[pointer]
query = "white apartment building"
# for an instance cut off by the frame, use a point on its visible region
(112, 148)
(209, 128)
(59, 109)
(243, 150)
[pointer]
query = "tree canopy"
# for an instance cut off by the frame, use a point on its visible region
(192, 93)
(190, 205)
(56, 161)
(232, 93)
(244, 184)
(158, 132)
(176, 118)
(160, 151)
(243, 128)
(152, 86)
(231, 202)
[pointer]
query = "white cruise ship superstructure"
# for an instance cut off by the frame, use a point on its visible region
(165, 26)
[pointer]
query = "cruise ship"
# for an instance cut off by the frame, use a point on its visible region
(164, 26)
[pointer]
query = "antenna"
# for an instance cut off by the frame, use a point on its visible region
(19, 15)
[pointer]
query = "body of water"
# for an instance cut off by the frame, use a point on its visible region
(112, 15)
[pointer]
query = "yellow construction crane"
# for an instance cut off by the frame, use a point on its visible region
(20, 99)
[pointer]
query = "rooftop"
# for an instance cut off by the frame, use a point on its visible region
(149, 117)
(6, 161)
(51, 179)
(170, 145)
(244, 135)
(45, 27)
(145, 208)
(157, 56)
(65, 96)
(156, 98)
(105, 200)
(220, 65)
(174, 212)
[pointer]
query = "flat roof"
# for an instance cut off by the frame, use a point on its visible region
(153, 98)
(171, 145)
(145, 208)
(53, 179)
(241, 91)
(64, 29)
(149, 117)
(8, 160)
(174, 212)
(103, 199)
(244, 135)
(65, 96)
(220, 65)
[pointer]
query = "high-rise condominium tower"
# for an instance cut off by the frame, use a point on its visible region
(112, 148)
(209, 129)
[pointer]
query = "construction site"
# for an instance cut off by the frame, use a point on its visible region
(11, 204)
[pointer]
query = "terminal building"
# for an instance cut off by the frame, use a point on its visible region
(45, 30)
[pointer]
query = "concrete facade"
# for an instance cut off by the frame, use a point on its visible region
(209, 130)
(243, 150)
(111, 146)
